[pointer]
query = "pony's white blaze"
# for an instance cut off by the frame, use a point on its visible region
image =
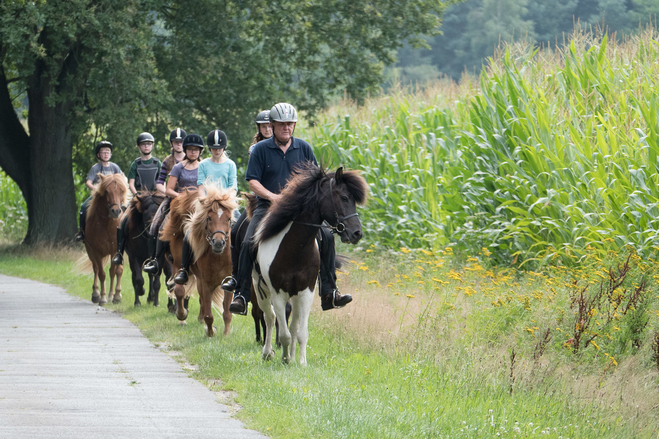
(274, 305)
(219, 212)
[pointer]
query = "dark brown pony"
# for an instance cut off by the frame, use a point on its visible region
(140, 213)
(208, 228)
(101, 233)
(288, 258)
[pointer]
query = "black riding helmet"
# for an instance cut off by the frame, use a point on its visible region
(145, 137)
(102, 144)
(193, 140)
(263, 117)
(217, 139)
(177, 134)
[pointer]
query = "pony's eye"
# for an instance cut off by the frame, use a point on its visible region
(344, 198)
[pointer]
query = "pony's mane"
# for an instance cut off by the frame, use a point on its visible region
(300, 196)
(178, 212)
(141, 202)
(102, 188)
(215, 199)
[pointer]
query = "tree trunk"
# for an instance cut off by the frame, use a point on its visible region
(40, 163)
(51, 202)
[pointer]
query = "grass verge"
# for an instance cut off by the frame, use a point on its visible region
(410, 357)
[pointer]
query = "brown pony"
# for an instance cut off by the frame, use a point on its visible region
(101, 233)
(208, 226)
(172, 232)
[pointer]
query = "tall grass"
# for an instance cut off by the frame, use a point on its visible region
(13, 210)
(552, 153)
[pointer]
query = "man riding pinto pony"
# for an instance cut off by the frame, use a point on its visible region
(270, 166)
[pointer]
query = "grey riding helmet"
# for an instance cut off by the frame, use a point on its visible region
(102, 144)
(217, 139)
(283, 112)
(145, 137)
(177, 134)
(263, 117)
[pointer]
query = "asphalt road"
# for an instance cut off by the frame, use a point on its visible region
(71, 369)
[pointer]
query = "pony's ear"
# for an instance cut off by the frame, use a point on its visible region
(138, 205)
(338, 175)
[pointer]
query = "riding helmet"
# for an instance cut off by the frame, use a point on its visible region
(263, 117)
(145, 137)
(217, 139)
(177, 134)
(102, 144)
(283, 112)
(193, 140)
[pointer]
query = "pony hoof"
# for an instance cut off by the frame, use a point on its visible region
(116, 300)
(269, 356)
(183, 323)
(96, 297)
(102, 302)
(210, 333)
(137, 303)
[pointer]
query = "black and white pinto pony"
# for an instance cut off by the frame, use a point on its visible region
(288, 258)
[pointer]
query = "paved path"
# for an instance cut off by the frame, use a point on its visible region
(70, 369)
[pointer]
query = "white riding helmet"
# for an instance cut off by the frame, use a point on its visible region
(283, 112)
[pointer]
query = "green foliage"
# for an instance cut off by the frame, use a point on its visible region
(556, 153)
(474, 29)
(13, 211)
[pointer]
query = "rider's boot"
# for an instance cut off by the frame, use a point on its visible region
(334, 300)
(118, 259)
(239, 305)
(80, 236)
(229, 283)
(151, 264)
(186, 259)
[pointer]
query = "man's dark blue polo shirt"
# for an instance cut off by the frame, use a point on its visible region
(272, 168)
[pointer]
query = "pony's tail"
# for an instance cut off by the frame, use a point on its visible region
(218, 298)
(190, 287)
(84, 265)
(340, 261)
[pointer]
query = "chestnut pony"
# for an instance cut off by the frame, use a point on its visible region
(288, 258)
(101, 234)
(207, 221)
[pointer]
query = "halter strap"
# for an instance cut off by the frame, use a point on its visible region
(209, 234)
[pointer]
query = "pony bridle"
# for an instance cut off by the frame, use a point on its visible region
(339, 227)
(209, 234)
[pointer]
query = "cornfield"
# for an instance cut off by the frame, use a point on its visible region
(552, 156)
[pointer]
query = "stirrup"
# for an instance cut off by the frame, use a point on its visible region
(150, 266)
